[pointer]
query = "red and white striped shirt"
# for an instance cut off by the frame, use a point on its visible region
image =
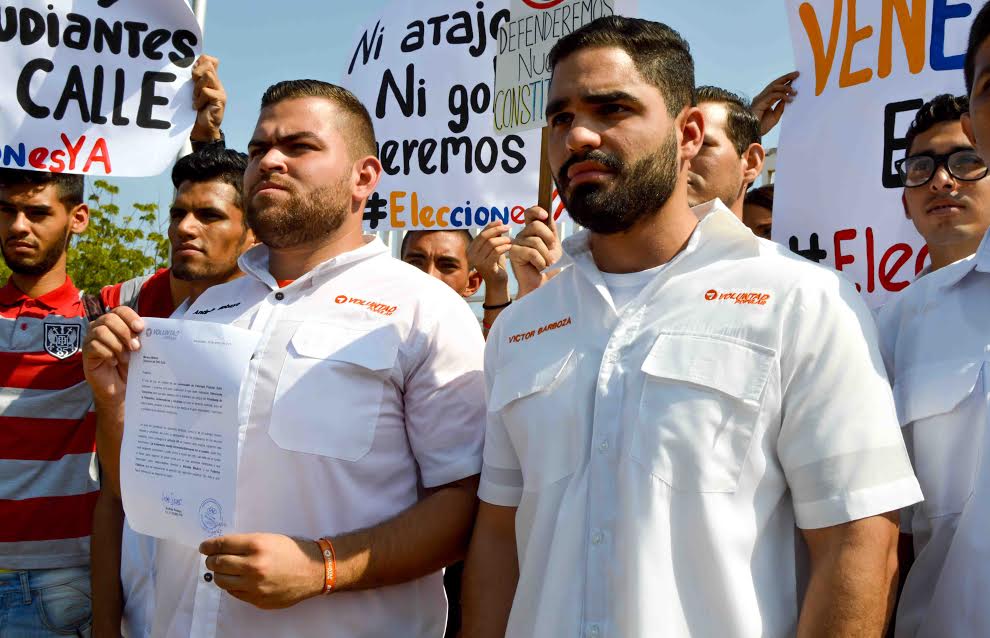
(48, 475)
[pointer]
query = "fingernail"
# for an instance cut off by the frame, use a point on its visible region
(135, 344)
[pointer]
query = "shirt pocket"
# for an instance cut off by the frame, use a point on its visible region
(330, 390)
(946, 412)
(699, 409)
(536, 400)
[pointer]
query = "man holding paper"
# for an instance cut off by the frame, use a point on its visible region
(361, 416)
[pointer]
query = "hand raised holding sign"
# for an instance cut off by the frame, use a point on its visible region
(769, 105)
(534, 250)
(209, 100)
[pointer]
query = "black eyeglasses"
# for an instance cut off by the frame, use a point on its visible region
(965, 165)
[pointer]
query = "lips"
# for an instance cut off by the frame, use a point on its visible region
(587, 171)
(268, 185)
(21, 245)
(945, 207)
(186, 250)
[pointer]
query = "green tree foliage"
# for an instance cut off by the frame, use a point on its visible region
(115, 247)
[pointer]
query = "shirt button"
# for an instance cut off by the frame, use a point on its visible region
(595, 631)
(597, 538)
(603, 446)
(24, 326)
(208, 577)
(279, 296)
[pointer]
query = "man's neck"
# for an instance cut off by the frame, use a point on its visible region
(191, 290)
(942, 256)
(35, 286)
(648, 244)
(292, 263)
(737, 206)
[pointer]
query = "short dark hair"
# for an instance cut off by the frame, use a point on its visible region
(743, 127)
(660, 54)
(212, 164)
(941, 108)
(978, 33)
(71, 188)
(762, 196)
(412, 234)
(361, 135)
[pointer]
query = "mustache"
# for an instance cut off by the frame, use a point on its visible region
(272, 178)
(607, 160)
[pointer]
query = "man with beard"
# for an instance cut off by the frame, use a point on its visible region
(686, 414)
(936, 344)
(208, 232)
(362, 422)
(48, 479)
(731, 157)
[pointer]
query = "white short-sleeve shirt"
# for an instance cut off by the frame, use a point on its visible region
(935, 340)
(661, 459)
(366, 387)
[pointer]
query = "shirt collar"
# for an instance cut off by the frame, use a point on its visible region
(254, 262)
(954, 273)
(983, 254)
(62, 298)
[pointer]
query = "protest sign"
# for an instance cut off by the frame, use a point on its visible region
(424, 70)
(99, 88)
(866, 67)
(522, 70)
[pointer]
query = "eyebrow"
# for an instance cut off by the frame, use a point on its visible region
(954, 149)
(607, 97)
(285, 139)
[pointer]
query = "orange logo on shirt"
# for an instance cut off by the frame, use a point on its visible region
(380, 308)
(526, 336)
(747, 298)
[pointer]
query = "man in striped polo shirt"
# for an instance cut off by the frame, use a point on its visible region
(48, 477)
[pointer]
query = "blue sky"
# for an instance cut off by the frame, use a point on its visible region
(259, 43)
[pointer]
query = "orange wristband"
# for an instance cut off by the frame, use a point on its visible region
(329, 564)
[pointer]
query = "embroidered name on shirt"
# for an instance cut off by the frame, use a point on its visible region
(526, 336)
(748, 298)
(380, 308)
(207, 311)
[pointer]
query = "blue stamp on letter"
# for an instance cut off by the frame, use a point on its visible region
(211, 516)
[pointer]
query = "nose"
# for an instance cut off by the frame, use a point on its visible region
(185, 226)
(942, 180)
(20, 225)
(582, 137)
(273, 161)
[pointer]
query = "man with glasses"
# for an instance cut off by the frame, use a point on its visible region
(945, 195)
(935, 340)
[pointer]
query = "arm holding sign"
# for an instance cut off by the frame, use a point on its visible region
(209, 100)
(486, 254)
(534, 250)
(769, 105)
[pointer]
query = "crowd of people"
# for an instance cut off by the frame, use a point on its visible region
(676, 427)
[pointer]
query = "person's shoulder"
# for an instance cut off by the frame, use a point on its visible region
(541, 305)
(126, 292)
(807, 282)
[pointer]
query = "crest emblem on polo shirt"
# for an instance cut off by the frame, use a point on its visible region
(62, 339)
